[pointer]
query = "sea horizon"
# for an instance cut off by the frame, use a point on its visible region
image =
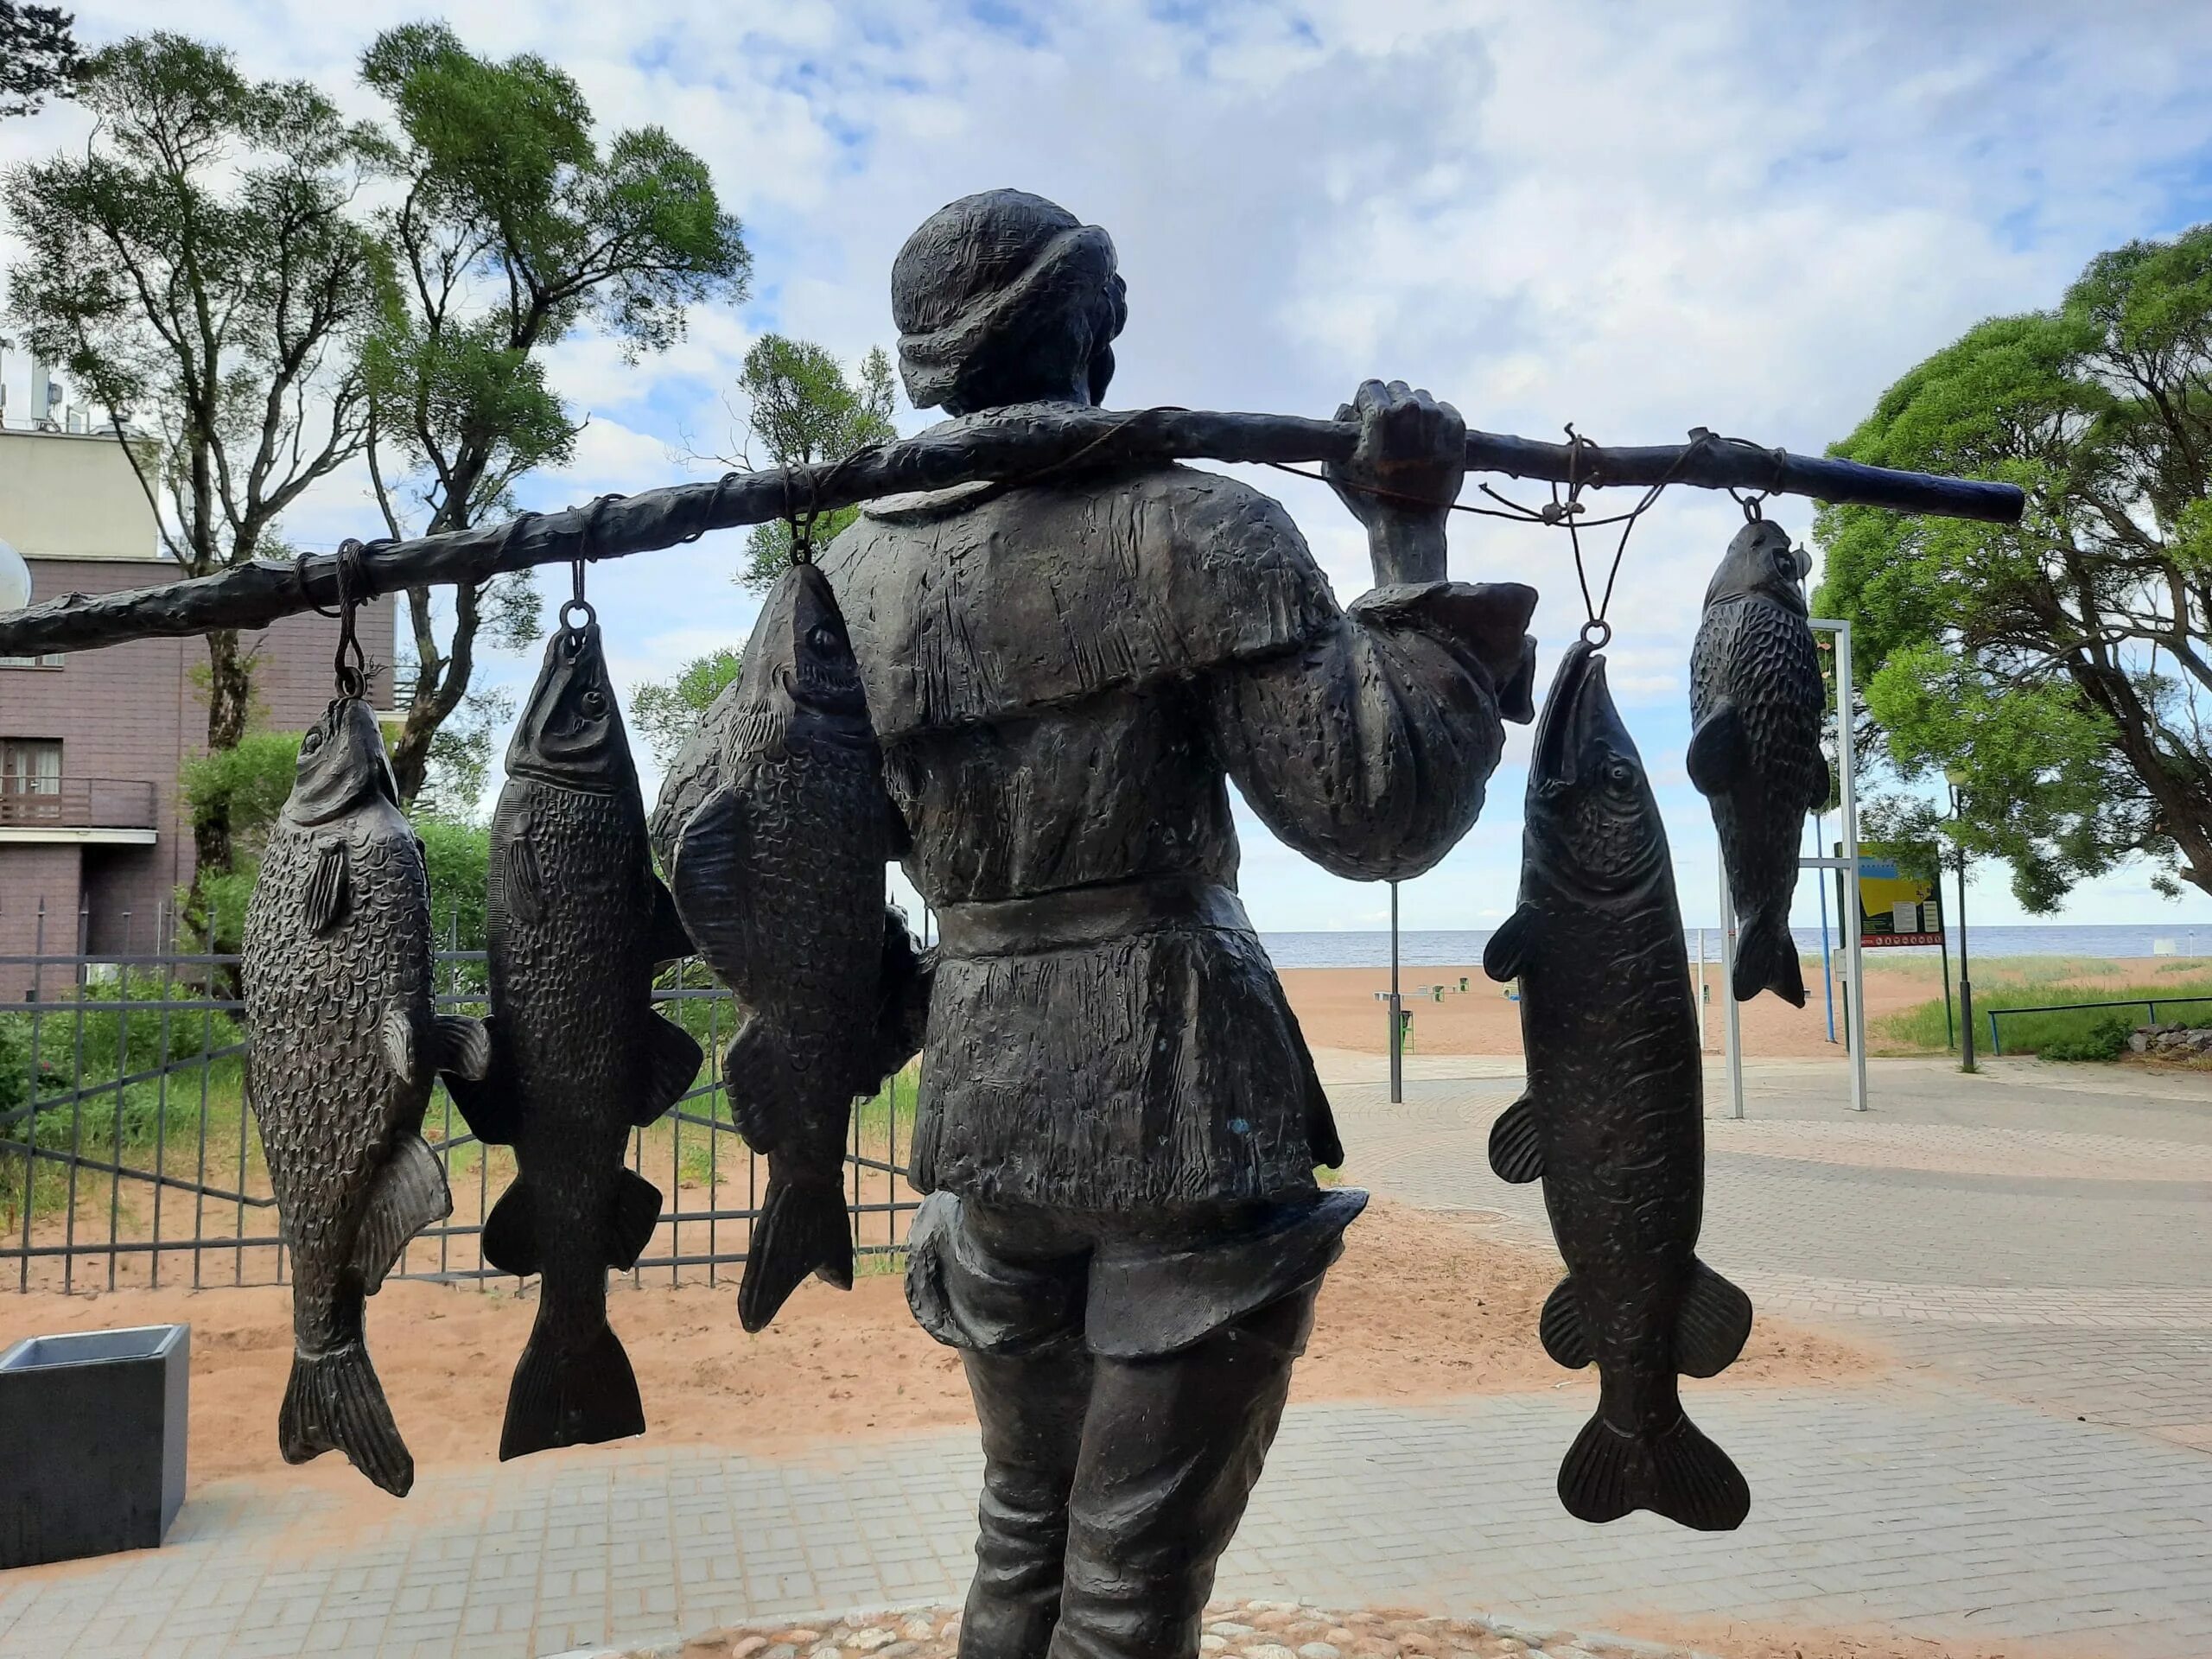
(1461, 948)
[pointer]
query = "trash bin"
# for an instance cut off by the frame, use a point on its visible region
(91, 1442)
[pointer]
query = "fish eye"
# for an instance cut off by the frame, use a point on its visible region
(311, 742)
(595, 703)
(822, 637)
(1619, 775)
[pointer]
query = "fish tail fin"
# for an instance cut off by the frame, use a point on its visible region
(335, 1403)
(803, 1228)
(1766, 960)
(564, 1394)
(1678, 1473)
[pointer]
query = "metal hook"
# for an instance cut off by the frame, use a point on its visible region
(1596, 634)
(352, 677)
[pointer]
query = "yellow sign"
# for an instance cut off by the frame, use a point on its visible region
(1895, 908)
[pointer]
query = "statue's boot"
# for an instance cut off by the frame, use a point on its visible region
(1032, 1413)
(1171, 1449)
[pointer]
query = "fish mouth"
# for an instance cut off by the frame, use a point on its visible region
(1566, 720)
(818, 695)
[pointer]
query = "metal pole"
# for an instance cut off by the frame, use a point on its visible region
(1847, 745)
(1397, 1032)
(1966, 981)
(1731, 1023)
(1704, 998)
(1827, 964)
(1943, 953)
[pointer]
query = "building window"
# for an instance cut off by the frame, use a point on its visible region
(48, 659)
(30, 766)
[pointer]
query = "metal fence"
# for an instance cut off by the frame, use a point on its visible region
(129, 1158)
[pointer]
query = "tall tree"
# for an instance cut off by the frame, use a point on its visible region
(38, 56)
(198, 273)
(513, 229)
(2060, 665)
(665, 712)
(801, 409)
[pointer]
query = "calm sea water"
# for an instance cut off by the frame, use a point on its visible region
(1460, 950)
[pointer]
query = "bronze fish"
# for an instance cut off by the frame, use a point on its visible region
(577, 922)
(779, 876)
(1613, 1119)
(342, 1045)
(1756, 701)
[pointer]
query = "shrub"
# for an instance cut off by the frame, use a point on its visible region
(2104, 1039)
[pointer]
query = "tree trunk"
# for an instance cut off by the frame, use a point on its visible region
(441, 681)
(229, 697)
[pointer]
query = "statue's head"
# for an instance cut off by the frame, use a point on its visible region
(1006, 298)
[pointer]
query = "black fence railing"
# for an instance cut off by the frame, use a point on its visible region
(1996, 1043)
(128, 1156)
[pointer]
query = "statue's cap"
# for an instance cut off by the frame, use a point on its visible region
(978, 278)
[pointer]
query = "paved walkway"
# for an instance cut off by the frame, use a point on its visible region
(2033, 1245)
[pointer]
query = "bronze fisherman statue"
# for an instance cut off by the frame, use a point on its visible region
(1119, 1123)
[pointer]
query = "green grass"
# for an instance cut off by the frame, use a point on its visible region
(2084, 1035)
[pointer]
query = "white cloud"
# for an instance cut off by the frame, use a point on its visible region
(1749, 216)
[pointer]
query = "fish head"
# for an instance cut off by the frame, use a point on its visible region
(341, 764)
(805, 650)
(571, 729)
(1592, 816)
(1761, 560)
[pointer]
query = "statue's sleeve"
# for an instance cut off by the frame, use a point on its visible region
(1368, 748)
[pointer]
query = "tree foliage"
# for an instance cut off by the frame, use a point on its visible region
(802, 410)
(665, 712)
(514, 228)
(38, 56)
(198, 272)
(2061, 663)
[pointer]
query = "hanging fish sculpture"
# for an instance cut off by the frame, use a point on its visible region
(779, 876)
(1612, 1121)
(1756, 700)
(342, 1044)
(577, 922)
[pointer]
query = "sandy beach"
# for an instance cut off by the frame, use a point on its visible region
(1420, 1307)
(1339, 1007)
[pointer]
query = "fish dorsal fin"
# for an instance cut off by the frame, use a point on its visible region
(460, 1046)
(410, 1194)
(707, 879)
(1717, 756)
(1715, 1323)
(329, 892)
(400, 1051)
(1506, 955)
(487, 1102)
(670, 941)
(509, 1240)
(672, 1059)
(1516, 1147)
(757, 1079)
(1565, 1333)
(522, 882)
(633, 1212)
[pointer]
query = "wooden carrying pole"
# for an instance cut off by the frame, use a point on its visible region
(1008, 445)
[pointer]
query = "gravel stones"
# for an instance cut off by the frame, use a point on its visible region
(1233, 1629)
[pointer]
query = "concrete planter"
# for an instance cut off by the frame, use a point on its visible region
(91, 1442)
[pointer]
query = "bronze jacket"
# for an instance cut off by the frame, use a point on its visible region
(1064, 678)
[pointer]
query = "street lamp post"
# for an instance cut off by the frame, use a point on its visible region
(1956, 777)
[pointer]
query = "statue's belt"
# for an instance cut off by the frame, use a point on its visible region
(1093, 915)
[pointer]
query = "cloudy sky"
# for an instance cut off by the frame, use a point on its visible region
(1752, 217)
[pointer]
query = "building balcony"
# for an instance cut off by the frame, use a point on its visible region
(109, 811)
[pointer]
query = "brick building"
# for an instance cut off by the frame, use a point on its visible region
(92, 824)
